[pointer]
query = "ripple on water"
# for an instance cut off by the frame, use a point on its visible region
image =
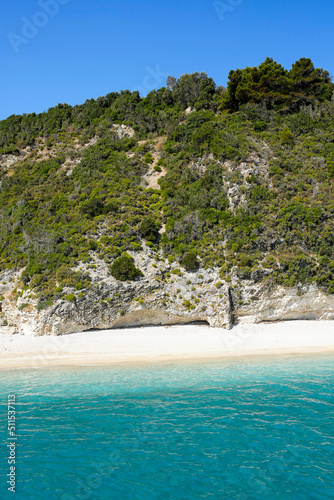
(234, 430)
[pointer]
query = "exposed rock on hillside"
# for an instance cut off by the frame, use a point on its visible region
(188, 297)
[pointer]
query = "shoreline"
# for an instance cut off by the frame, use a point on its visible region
(161, 344)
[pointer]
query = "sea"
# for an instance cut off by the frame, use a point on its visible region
(242, 429)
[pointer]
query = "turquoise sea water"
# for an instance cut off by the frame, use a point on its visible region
(249, 429)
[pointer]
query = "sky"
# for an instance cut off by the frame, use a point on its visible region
(67, 51)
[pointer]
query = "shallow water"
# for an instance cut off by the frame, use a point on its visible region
(249, 429)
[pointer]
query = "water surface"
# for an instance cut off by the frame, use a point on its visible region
(249, 429)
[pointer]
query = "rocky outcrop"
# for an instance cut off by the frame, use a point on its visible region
(150, 301)
(165, 295)
(123, 130)
(266, 302)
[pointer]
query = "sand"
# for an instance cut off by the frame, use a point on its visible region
(157, 344)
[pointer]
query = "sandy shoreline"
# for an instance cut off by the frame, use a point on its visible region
(156, 344)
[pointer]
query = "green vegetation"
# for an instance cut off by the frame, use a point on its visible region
(277, 88)
(149, 228)
(123, 268)
(268, 137)
(190, 262)
(188, 305)
(70, 297)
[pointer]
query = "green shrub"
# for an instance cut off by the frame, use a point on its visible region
(93, 245)
(149, 228)
(245, 260)
(259, 126)
(177, 272)
(148, 158)
(23, 306)
(124, 269)
(188, 305)
(70, 297)
(136, 246)
(190, 262)
(43, 304)
(330, 166)
(63, 273)
(287, 138)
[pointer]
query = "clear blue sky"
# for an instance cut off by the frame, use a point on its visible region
(83, 49)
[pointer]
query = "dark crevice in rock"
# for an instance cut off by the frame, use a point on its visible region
(230, 308)
(194, 323)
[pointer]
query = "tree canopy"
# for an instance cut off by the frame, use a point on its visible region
(277, 87)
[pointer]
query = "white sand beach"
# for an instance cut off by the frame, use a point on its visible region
(165, 343)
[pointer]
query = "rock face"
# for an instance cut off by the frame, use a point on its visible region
(272, 303)
(186, 298)
(165, 295)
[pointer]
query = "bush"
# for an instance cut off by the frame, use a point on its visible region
(188, 305)
(330, 166)
(43, 304)
(177, 272)
(149, 228)
(70, 297)
(22, 306)
(148, 158)
(260, 126)
(190, 262)
(287, 138)
(124, 269)
(64, 273)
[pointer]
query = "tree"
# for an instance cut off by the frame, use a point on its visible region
(191, 87)
(276, 87)
(310, 80)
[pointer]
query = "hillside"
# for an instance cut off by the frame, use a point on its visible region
(195, 203)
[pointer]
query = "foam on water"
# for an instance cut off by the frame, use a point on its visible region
(257, 429)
